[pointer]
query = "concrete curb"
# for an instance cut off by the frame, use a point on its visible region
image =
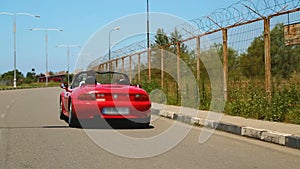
(283, 139)
(18, 88)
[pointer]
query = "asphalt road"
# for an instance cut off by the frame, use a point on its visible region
(32, 136)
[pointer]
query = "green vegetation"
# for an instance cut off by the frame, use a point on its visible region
(285, 59)
(246, 89)
(250, 100)
(30, 85)
(30, 81)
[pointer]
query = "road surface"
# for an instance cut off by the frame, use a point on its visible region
(32, 136)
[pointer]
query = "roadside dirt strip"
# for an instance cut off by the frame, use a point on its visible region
(289, 139)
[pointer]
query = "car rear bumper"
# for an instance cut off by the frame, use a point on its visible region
(94, 109)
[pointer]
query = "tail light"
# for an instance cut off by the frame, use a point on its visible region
(141, 97)
(87, 96)
(111, 97)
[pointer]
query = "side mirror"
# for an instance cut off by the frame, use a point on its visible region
(64, 85)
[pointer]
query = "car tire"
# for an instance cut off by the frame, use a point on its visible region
(61, 114)
(72, 120)
(143, 123)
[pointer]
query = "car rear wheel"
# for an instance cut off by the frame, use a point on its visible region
(72, 120)
(62, 116)
(143, 123)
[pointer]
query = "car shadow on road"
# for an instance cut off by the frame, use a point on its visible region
(55, 127)
(112, 124)
(89, 126)
(34, 127)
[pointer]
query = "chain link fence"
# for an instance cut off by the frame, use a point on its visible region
(260, 66)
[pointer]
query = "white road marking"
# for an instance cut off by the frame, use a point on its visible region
(8, 107)
(3, 116)
(1, 137)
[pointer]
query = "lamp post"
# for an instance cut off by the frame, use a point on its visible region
(46, 45)
(148, 26)
(148, 43)
(68, 56)
(14, 15)
(109, 51)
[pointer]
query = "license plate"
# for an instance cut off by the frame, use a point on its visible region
(115, 111)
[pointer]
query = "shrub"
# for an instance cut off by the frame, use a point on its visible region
(250, 101)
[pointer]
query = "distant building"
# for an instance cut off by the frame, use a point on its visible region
(58, 77)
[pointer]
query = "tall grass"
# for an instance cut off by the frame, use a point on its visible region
(246, 98)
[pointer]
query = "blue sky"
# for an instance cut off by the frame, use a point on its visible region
(79, 19)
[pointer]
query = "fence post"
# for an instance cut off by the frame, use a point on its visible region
(117, 64)
(178, 69)
(267, 44)
(139, 67)
(106, 66)
(111, 65)
(198, 58)
(130, 67)
(123, 68)
(162, 66)
(225, 62)
(149, 64)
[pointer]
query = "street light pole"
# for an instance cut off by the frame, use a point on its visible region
(68, 60)
(148, 25)
(14, 16)
(109, 51)
(15, 50)
(68, 56)
(148, 43)
(46, 43)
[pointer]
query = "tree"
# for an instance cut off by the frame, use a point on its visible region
(161, 38)
(9, 76)
(51, 73)
(30, 77)
(284, 59)
(252, 62)
(233, 60)
(185, 54)
(169, 44)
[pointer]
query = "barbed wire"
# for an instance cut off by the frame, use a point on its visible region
(124, 51)
(237, 13)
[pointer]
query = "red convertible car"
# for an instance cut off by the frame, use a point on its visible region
(103, 95)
